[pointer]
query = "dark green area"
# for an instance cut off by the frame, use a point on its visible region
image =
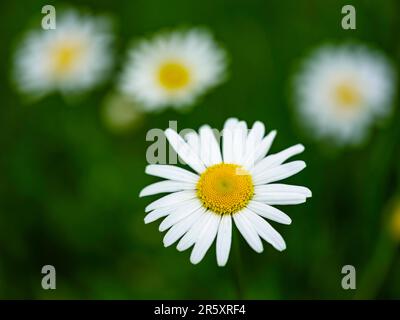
(69, 188)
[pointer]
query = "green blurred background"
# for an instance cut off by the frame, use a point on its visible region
(69, 186)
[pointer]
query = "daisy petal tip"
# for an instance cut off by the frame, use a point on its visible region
(232, 119)
(148, 168)
(287, 221)
(259, 250)
(222, 263)
(204, 127)
(180, 247)
(194, 260)
(166, 244)
(300, 147)
(169, 133)
(302, 164)
(146, 220)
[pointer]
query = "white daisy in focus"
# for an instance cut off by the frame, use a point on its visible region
(173, 69)
(236, 184)
(341, 90)
(71, 58)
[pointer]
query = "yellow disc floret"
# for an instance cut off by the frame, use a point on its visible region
(347, 95)
(173, 75)
(225, 188)
(65, 57)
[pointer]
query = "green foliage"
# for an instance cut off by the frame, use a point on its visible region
(69, 187)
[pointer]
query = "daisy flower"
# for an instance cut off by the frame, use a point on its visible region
(73, 57)
(340, 91)
(173, 69)
(236, 184)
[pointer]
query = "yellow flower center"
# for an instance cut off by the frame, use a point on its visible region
(173, 75)
(64, 57)
(225, 188)
(347, 95)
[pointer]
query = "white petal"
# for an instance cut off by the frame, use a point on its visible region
(280, 198)
(172, 173)
(166, 186)
(239, 142)
(159, 213)
(192, 235)
(283, 155)
(279, 173)
(209, 151)
(205, 239)
(266, 231)
(171, 199)
(248, 232)
(231, 123)
(179, 229)
(224, 239)
(269, 212)
(227, 139)
(193, 141)
(254, 139)
(256, 133)
(278, 188)
(187, 154)
(260, 151)
(276, 159)
(180, 213)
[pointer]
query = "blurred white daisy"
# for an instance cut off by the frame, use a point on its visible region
(173, 69)
(235, 184)
(71, 58)
(341, 90)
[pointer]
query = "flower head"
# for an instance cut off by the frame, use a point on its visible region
(71, 58)
(173, 69)
(236, 184)
(341, 90)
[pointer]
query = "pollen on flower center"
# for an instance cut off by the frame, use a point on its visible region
(225, 188)
(347, 95)
(65, 56)
(173, 75)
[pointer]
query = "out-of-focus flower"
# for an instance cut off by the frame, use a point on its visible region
(71, 58)
(394, 222)
(119, 113)
(237, 183)
(173, 69)
(340, 91)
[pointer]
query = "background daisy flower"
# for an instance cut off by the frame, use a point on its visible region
(71, 58)
(173, 69)
(341, 90)
(236, 184)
